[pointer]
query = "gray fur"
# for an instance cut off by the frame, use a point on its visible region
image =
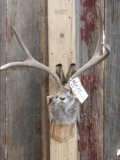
(64, 108)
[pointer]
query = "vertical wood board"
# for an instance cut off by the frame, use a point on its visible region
(66, 150)
(2, 78)
(44, 79)
(62, 49)
(91, 124)
(23, 84)
(112, 82)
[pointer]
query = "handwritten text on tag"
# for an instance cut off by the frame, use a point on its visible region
(78, 89)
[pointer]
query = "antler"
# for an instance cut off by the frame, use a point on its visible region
(97, 58)
(30, 62)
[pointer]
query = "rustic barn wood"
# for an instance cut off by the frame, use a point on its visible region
(23, 84)
(44, 79)
(22, 126)
(2, 78)
(112, 82)
(91, 126)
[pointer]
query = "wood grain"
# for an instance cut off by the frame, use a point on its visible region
(2, 79)
(61, 132)
(66, 150)
(62, 50)
(91, 125)
(23, 84)
(44, 79)
(112, 82)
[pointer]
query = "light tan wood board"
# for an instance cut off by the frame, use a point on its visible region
(64, 150)
(62, 49)
(61, 30)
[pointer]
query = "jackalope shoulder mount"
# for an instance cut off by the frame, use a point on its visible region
(63, 106)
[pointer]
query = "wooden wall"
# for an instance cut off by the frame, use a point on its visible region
(100, 114)
(91, 123)
(21, 87)
(2, 79)
(112, 82)
(24, 131)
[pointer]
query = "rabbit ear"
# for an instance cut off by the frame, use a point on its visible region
(60, 73)
(71, 71)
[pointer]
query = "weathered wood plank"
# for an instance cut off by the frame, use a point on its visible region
(23, 84)
(2, 78)
(91, 126)
(44, 79)
(112, 82)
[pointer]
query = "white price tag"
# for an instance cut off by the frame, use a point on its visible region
(78, 89)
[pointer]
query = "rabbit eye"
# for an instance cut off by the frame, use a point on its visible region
(56, 96)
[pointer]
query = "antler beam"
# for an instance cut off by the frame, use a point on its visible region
(30, 62)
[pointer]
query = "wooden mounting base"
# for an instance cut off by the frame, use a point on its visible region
(63, 142)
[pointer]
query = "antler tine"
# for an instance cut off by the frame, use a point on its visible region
(30, 62)
(22, 44)
(98, 47)
(97, 58)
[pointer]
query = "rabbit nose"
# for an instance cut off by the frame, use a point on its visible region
(62, 98)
